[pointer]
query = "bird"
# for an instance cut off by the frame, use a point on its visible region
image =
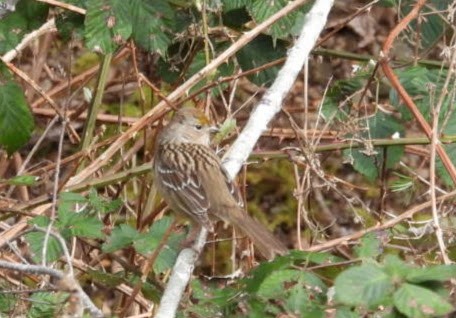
(191, 179)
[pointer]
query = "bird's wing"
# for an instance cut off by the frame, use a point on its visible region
(181, 184)
(232, 187)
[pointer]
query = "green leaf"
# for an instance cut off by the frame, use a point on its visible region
(102, 205)
(153, 237)
(298, 291)
(312, 257)
(441, 170)
(363, 285)
(36, 242)
(335, 106)
(107, 24)
(415, 301)
(21, 180)
(151, 240)
(16, 121)
(344, 312)
(229, 5)
(152, 21)
(396, 268)
(70, 24)
(434, 27)
(439, 273)
(369, 247)
(261, 10)
(369, 161)
(7, 301)
(274, 284)
(29, 15)
(68, 202)
(79, 224)
(249, 58)
(263, 271)
(120, 237)
(199, 62)
(46, 305)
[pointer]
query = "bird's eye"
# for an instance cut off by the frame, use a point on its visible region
(198, 127)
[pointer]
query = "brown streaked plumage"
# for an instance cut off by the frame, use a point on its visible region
(191, 179)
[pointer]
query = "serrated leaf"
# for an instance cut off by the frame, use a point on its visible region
(441, 170)
(16, 120)
(366, 285)
(151, 240)
(396, 268)
(79, 224)
(274, 284)
(107, 24)
(261, 10)
(46, 305)
(120, 237)
(439, 273)
(415, 301)
(29, 15)
(68, 201)
(369, 161)
(262, 272)
(151, 24)
(433, 28)
(36, 242)
(369, 246)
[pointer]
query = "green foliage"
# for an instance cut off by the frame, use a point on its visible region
(365, 285)
(77, 217)
(271, 289)
(109, 23)
(199, 62)
(145, 243)
(229, 5)
(7, 301)
(28, 16)
(46, 305)
(16, 121)
(369, 161)
(261, 10)
(152, 21)
(425, 84)
(369, 247)
(434, 27)
(287, 285)
(396, 285)
(415, 301)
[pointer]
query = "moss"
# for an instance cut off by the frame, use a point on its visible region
(269, 188)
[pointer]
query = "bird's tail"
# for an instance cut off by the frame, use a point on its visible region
(262, 238)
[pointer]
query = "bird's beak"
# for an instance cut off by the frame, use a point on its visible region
(214, 129)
